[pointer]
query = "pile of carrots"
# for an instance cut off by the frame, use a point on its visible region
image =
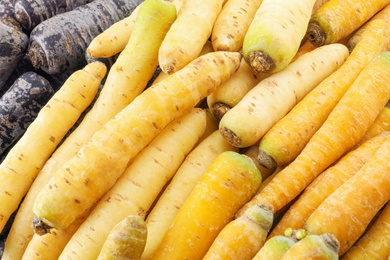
(195, 129)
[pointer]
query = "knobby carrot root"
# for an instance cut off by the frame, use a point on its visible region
(336, 19)
(273, 97)
(275, 34)
(232, 24)
(327, 183)
(233, 179)
(286, 139)
(126, 240)
(321, 247)
(188, 34)
(375, 243)
(243, 237)
(125, 80)
(183, 182)
(346, 213)
(341, 131)
(29, 154)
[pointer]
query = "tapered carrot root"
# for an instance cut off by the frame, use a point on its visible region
(341, 131)
(30, 153)
(126, 240)
(375, 243)
(320, 247)
(327, 183)
(232, 24)
(273, 97)
(346, 213)
(286, 139)
(174, 196)
(243, 237)
(188, 34)
(275, 34)
(336, 19)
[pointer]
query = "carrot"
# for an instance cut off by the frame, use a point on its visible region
(126, 240)
(113, 40)
(381, 124)
(233, 179)
(126, 134)
(327, 183)
(23, 161)
(273, 97)
(125, 80)
(243, 237)
(347, 213)
(58, 44)
(188, 34)
(7, 8)
(337, 19)
(232, 24)
(183, 182)
(319, 247)
(252, 152)
(30, 13)
(275, 247)
(275, 34)
(375, 243)
(286, 139)
(20, 105)
(342, 130)
(13, 43)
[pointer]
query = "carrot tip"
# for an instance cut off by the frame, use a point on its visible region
(260, 61)
(266, 160)
(230, 137)
(37, 56)
(315, 34)
(219, 109)
(39, 226)
(331, 242)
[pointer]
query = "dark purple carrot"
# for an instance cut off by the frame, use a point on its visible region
(13, 44)
(29, 13)
(20, 105)
(59, 43)
(7, 8)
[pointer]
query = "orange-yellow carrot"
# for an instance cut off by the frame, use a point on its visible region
(375, 244)
(381, 124)
(232, 24)
(230, 180)
(347, 212)
(327, 183)
(286, 139)
(243, 237)
(341, 131)
(337, 19)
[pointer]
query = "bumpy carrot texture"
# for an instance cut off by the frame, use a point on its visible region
(286, 139)
(336, 19)
(342, 130)
(347, 212)
(327, 183)
(231, 180)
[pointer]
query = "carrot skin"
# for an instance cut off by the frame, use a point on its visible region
(275, 248)
(7, 8)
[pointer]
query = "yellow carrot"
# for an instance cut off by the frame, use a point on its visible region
(275, 248)
(341, 131)
(232, 24)
(174, 196)
(252, 152)
(273, 97)
(375, 244)
(29, 154)
(337, 19)
(126, 240)
(243, 237)
(188, 33)
(347, 212)
(275, 34)
(286, 139)
(230, 180)
(327, 183)
(381, 124)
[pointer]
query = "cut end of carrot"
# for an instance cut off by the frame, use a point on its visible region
(23, 18)
(231, 137)
(39, 226)
(219, 109)
(37, 56)
(260, 61)
(331, 242)
(315, 34)
(266, 160)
